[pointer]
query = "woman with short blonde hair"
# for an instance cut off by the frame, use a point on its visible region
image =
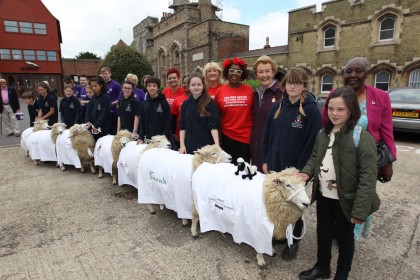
(213, 77)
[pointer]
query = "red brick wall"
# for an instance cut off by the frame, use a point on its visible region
(227, 46)
(78, 67)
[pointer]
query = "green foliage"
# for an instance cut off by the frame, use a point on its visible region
(253, 83)
(87, 55)
(125, 59)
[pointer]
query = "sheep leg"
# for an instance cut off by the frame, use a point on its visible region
(151, 209)
(92, 167)
(101, 172)
(36, 162)
(194, 222)
(261, 261)
(114, 173)
(62, 167)
(82, 167)
(184, 222)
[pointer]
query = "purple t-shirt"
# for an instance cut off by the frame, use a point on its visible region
(114, 90)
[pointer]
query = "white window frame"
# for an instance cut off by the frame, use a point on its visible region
(386, 30)
(382, 82)
(414, 78)
(329, 38)
(323, 83)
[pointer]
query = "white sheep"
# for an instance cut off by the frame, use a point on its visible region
(41, 145)
(38, 125)
(165, 177)
(103, 154)
(120, 141)
(228, 203)
(83, 142)
(128, 161)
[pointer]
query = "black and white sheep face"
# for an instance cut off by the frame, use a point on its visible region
(293, 190)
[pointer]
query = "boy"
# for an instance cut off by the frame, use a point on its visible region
(155, 115)
(33, 107)
(69, 106)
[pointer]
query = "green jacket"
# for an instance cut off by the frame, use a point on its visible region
(355, 168)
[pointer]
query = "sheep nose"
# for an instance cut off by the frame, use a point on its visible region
(305, 205)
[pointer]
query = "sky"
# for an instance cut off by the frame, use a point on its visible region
(87, 26)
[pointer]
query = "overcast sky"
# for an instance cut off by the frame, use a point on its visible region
(89, 26)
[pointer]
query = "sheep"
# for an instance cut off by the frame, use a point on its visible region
(41, 143)
(250, 170)
(103, 154)
(38, 125)
(65, 152)
(165, 177)
(56, 130)
(269, 203)
(83, 142)
(128, 161)
(122, 138)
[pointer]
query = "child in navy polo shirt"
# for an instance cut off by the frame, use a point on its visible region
(128, 110)
(33, 107)
(69, 106)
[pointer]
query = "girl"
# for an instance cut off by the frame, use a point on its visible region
(213, 76)
(69, 106)
(344, 171)
(98, 114)
(47, 104)
(128, 110)
(199, 122)
(290, 133)
(234, 101)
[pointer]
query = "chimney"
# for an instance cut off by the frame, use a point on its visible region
(205, 9)
(267, 43)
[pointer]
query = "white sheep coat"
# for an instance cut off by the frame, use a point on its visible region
(176, 170)
(228, 203)
(128, 163)
(24, 138)
(103, 153)
(65, 152)
(41, 146)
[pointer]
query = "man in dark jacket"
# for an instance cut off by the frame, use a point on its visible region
(9, 105)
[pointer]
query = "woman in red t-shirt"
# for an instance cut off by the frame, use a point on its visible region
(235, 101)
(213, 76)
(176, 108)
(174, 89)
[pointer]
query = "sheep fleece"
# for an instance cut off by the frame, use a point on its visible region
(165, 178)
(228, 203)
(128, 163)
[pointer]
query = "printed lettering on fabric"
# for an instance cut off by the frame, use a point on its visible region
(159, 109)
(98, 108)
(128, 109)
(71, 106)
(157, 179)
(219, 203)
(46, 104)
(298, 122)
(235, 101)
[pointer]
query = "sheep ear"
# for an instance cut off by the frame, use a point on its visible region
(277, 182)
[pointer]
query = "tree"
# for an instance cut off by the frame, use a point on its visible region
(123, 60)
(87, 55)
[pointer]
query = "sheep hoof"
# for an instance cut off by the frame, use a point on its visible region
(93, 171)
(57, 165)
(195, 236)
(82, 170)
(261, 261)
(100, 175)
(114, 182)
(63, 168)
(184, 223)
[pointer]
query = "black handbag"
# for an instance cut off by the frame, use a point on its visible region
(385, 156)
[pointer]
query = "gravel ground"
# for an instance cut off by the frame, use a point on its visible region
(68, 225)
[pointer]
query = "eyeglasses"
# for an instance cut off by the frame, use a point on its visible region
(235, 71)
(293, 84)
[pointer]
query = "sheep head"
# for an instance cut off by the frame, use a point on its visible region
(210, 154)
(159, 141)
(56, 130)
(288, 186)
(40, 125)
(123, 137)
(78, 129)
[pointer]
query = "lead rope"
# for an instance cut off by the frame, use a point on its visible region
(289, 231)
(220, 156)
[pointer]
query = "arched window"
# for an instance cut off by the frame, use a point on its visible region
(414, 79)
(329, 37)
(387, 27)
(382, 80)
(326, 83)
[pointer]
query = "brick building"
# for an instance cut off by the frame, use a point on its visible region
(76, 67)
(384, 31)
(189, 37)
(30, 49)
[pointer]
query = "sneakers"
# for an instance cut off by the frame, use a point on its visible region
(290, 253)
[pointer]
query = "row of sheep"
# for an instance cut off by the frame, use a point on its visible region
(204, 186)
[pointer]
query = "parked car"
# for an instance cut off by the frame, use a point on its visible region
(405, 104)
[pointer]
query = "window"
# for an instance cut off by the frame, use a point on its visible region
(41, 55)
(326, 83)
(414, 79)
(52, 56)
(382, 80)
(386, 31)
(17, 54)
(40, 28)
(11, 26)
(329, 37)
(26, 27)
(4, 54)
(29, 54)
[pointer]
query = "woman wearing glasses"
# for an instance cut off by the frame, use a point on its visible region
(235, 101)
(290, 133)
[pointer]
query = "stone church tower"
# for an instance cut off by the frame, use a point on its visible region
(188, 38)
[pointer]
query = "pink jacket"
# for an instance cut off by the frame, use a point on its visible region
(379, 114)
